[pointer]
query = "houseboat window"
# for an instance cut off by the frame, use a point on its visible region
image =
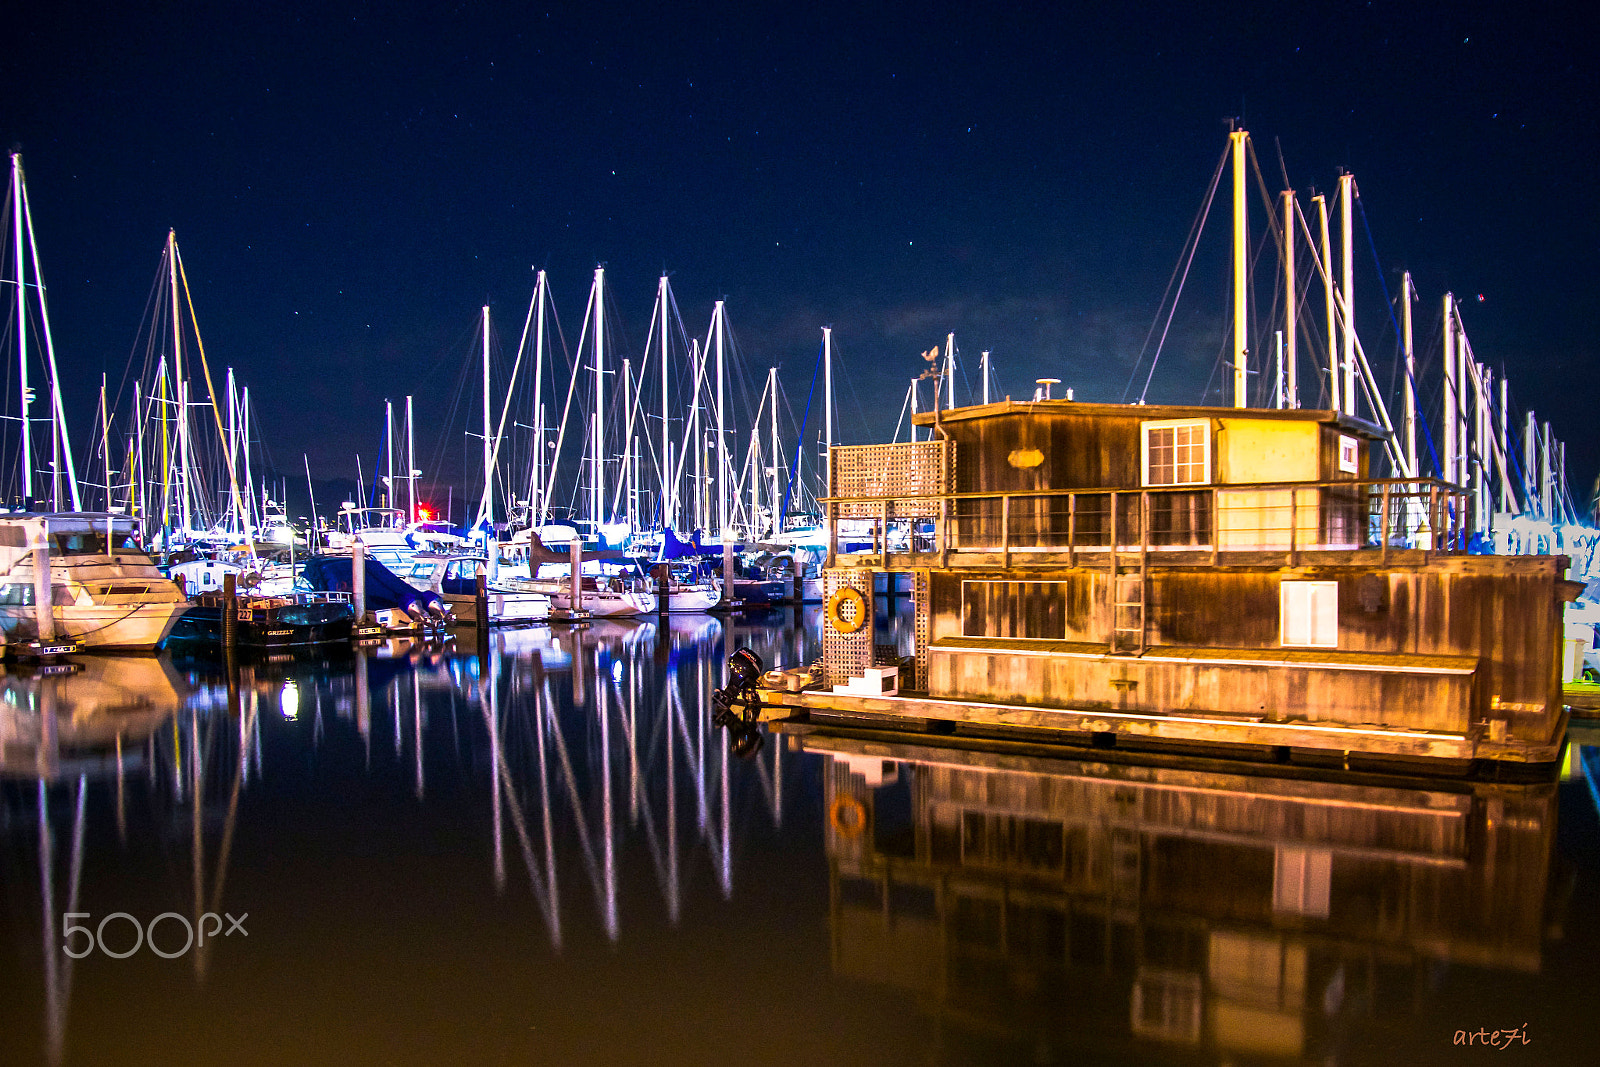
(13, 537)
(1177, 453)
(1309, 614)
(1349, 455)
(1027, 610)
(16, 594)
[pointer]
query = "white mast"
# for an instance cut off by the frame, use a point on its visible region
(233, 447)
(1505, 447)
(537, 504)
(695, 439)
(1530, 486)
(1240, 309)
(985, 375)
(669, 502)
(1546, 482)
(487, 507)
(1462, 365)
(1407, 294)
(1326, 254)
(181, 383)
(1347, 287)
(411, 465)
(597, 480)
(1290, 310)
(914, 382)
(1280, 389)
(1452, 392)
(723, 481)
(777, 456)
(827, 406)
(388, 451)
(949, 371)
(625, 476)
(22, 331)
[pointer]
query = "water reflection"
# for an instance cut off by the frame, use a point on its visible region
(1045, 901)
(480, 820)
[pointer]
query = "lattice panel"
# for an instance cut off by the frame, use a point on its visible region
(846, 656)
(903, 471)
(923, 608)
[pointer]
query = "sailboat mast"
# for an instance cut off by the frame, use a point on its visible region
(669, 516)
(411, 465)
(1347, 183)
(985, 362)
(233, 448)
(388, 451)
(22, 331)
(1452, 392)
(105, 441)
(1240, 308)
(695, 439)
(1325, 254)
(1290, 308)
(949, 371)
(488, 432)
(914, 382)
(597, 481)
(777, 456)
(723, 481)
(1505, 446)
(184, 514)
(1407, 294)
(827, 406)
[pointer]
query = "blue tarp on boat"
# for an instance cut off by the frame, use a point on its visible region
(385, 589)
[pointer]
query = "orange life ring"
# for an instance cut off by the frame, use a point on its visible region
(847, 595)
(851, 825)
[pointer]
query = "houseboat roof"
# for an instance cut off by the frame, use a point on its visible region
(1349, 423)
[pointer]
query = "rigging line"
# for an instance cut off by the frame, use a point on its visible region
(1172, 312)
(800, 438)
(1191, 243)
(1389, 303)
(572, 385)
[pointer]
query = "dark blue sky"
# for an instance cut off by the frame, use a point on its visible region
(349, 182)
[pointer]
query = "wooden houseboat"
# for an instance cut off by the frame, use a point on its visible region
(1182, 576)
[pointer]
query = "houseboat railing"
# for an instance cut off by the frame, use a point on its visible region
(1062, 525)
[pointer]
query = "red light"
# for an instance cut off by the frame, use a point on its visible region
(424, 513)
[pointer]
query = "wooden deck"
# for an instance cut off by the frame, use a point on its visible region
(1103, 726)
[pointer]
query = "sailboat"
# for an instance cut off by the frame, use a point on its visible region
(66, 573)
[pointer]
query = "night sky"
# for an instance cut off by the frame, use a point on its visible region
(350, 183)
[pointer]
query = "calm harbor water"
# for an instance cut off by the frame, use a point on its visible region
(420, 855)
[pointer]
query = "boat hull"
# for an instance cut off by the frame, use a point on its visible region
(99, 627)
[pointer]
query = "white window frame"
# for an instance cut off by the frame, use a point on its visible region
(1297, 596)
(1354, 447)
(1171, 424)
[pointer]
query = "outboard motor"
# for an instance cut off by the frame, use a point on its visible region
(737, 705)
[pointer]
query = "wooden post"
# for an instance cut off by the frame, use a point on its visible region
(1216, 526)
(1433, 523)
(944, 531)
(1072, 530)
(42, 607)
(1005, 531)
(230, 610)
(1383, 526)
(575, 584)
(1111, 557)
(1294, 525)
(833, 533)
(480, 601)
(358, 578)
(884, 559)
